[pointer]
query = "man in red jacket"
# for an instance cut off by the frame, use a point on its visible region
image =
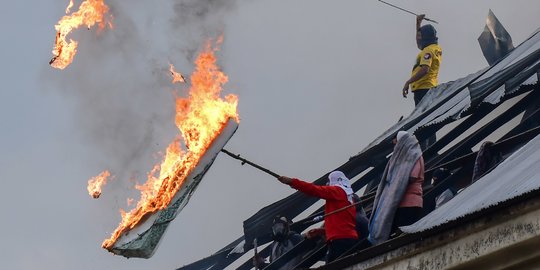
(340, 227)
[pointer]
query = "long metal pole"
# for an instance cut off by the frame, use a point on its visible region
(408, 11)
(244, 161)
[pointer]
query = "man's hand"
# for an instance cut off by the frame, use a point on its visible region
(285, 180)
(420, 17)
(405, 90)
(315, 233)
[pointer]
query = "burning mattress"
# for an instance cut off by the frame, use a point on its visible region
(142, 240)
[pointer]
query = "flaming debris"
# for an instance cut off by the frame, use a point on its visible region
(90, 12)
(200, 119)
(69, 6)
(95, 184)
(177, 76)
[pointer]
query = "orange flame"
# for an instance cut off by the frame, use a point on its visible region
(70, 5)
(177, 77)
(95, 184)
(200, 118)
(90, 12)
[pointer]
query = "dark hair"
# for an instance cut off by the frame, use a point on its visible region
(440, 174)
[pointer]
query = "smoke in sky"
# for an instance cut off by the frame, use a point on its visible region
(120, 84)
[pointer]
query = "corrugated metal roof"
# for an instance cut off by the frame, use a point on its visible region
(449, 101)
(452, 99)
(532, 80)
(458, 102)
(515, 176)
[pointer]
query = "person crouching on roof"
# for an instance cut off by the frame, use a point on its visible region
(398, 201)
(340, 228)
(284, 240)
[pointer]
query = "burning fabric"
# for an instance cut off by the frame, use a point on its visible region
(177, 76)
(95, 184)
(90, 12)
(206, 123)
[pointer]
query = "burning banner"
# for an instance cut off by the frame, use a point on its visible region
(206, 123)
(95, 184)
(177, 76)
(90, 12)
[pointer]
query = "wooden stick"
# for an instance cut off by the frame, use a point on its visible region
(244, 161)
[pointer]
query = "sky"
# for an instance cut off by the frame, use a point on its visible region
(317, 81)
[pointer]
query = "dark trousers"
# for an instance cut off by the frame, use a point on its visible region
(406, 216)
(337, 247)
(418, 95)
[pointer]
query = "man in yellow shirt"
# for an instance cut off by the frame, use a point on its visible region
(426, 69)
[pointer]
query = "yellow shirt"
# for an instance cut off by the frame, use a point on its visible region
(430, 56)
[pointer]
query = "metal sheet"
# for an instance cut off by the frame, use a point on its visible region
(435, 98)
(531, 80)
(496, 96)
(523, 50)
(495, 41)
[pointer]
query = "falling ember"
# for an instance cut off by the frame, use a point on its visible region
(177, 76)
(200, 117)
(95, 184)
(90, 12)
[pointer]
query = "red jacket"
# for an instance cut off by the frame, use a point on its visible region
(339, 225)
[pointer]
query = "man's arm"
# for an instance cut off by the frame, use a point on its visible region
(323, 192)
(258, 262)
(296, 238)
(419, 19)
(417, 76)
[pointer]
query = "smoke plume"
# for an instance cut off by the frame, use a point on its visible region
(119, 80)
